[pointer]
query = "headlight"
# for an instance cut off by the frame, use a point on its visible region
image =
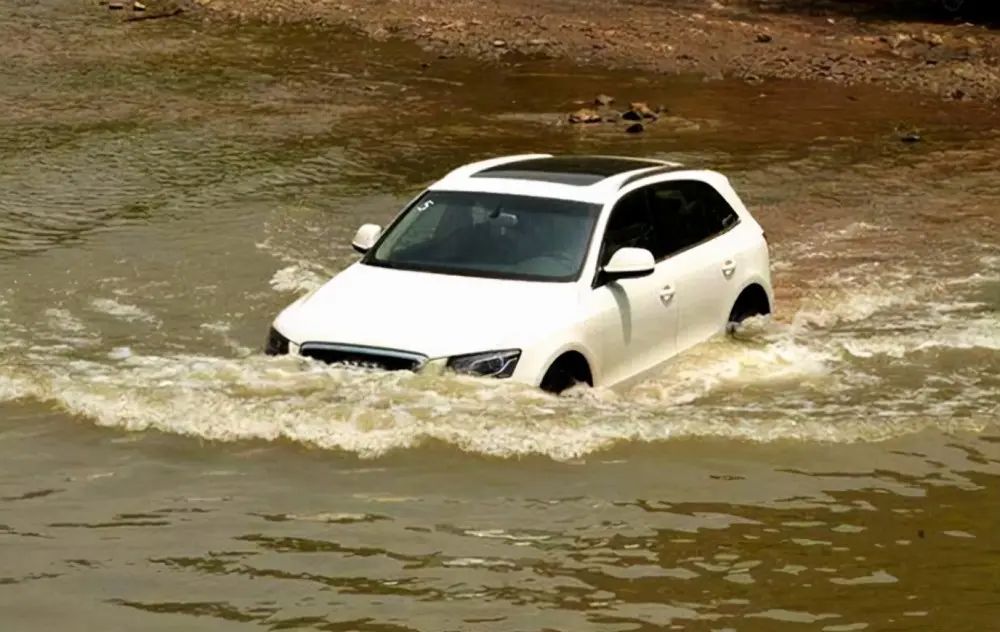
(276, 343)
(486, 364)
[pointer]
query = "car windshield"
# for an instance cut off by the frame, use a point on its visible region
(490, 235)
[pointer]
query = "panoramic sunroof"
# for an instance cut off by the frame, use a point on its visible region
(573, 170)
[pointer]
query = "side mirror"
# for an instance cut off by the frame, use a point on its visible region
(629, 263)
(366, 237)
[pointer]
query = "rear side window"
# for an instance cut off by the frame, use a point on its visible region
(688, 212)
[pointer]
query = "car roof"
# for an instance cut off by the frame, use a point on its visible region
(583, 178)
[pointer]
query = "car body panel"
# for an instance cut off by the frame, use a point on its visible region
(625, 329)
(437, 315)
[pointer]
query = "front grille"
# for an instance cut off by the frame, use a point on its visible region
(363, 357)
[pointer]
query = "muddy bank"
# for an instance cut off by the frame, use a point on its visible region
(846, 43)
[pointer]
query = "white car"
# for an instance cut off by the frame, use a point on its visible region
(546, 270)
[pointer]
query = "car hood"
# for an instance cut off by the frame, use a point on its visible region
(434, 314)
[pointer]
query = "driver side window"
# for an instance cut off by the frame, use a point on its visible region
(630, 226)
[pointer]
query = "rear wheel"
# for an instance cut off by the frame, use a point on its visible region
(752, 301)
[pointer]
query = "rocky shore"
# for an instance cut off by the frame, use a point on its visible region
(752, 40)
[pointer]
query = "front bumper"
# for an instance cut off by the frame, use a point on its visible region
(395, 360)
(276, 344)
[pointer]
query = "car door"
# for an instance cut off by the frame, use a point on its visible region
(633, 321)
(700, 254)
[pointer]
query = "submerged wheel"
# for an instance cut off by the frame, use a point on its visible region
(752, 301)
(568, 370)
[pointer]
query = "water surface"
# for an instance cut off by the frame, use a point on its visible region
(167, 187)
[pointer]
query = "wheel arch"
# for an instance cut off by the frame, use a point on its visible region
(579, 358)
(754, 298)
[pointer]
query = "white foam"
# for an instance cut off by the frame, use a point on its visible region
(371, 413)
(64, 321)
(123, 311)
(12, 388)
(979, 333)
(777, 381)
(724, 363)
(295, 278)
(850, 306)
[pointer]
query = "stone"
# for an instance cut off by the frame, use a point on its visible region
(910, 137)
(138, 6)
(642, 109)
(635, 128)
(764, 38)
(499, 43)
(115, 5)
(603, 100)
(585, 115)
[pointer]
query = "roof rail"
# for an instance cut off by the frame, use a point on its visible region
(652, 171)
(466, 171)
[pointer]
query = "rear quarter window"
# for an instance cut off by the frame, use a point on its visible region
(689, 212)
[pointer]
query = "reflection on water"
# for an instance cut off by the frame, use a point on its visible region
(165, 191)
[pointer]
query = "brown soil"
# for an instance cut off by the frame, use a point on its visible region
(843, 42)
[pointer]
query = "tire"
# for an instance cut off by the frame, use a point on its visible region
(753, 301)
(557, 379)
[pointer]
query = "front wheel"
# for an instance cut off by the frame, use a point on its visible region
(568, 370)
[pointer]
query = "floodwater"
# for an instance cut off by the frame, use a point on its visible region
(166, 187)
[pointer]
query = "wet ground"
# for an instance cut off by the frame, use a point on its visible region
(166, 188)
(913, 45)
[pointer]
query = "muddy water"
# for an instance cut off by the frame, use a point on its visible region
(166, 187)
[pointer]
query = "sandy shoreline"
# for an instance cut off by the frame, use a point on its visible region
(737, 39)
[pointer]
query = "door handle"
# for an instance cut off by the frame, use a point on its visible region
(728, 268)
(667, 293)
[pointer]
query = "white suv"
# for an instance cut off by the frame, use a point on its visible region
(548, 270)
